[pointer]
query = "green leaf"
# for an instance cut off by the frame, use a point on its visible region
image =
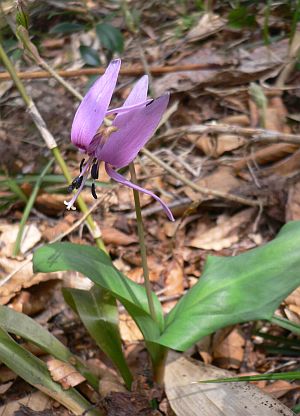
(67, 28)
(35, 372)
(98, 311)
(27, 328)
(110, 37)
(236, 289)
(289, 375)
(95, 264)
(241, 17)
(89, 55)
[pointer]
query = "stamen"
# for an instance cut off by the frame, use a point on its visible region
(94, 191)
(95, 171)
(78, 182)
(81, 165)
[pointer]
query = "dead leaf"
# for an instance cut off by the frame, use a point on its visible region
(208, 24)
(110, 383)
(293, 298)
(293, 203)
(64, 373)
(224, 234)
(23, 278)
(174, 282)
(36, 401)
(216, 146)
(222, 179)
(279, 388)
(204, 348)
(230, 352)
(112, 235)
(227, 399)
(128, 329)
(252, 64)
(9, 232)
(5, 387)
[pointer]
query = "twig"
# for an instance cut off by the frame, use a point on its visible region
(154, 70)
(32, 50)
(257, 134)
(203, 190)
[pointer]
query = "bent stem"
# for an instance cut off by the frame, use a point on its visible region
(142, 244)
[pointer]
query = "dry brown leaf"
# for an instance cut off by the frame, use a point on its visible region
(293, 298)
(23, 278)
(5, 387)
(252, 65)
(204, 348)
(174, 282)
(216, 146)
(36, 401)
(293, 203)
(128, 329)
(227, 399)
(112, 235)
(279, 388)
(49, 233)
(208, 24)
(224, 234)
(9, 232)
(230, 352)
(236, 120)
(222, 179)
(110, 383)
(65, 374)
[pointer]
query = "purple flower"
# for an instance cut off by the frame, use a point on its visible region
(116, 145)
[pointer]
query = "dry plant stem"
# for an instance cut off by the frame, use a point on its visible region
(142, 243)
(32, 50)
(257, 134)
(154, 70)
(202, 189)
(50, 142)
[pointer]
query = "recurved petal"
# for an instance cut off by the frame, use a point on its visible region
(91, 111)
(136, 98)
(134, 130)
(119, 178)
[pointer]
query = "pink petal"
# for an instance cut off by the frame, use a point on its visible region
(134, 130)
(91, 112)
(119, 178)
(123, 109)
(136, 99)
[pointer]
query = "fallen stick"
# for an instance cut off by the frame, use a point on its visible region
(73, 73)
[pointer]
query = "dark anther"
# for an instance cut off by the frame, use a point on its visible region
(150, 102)
(76, 183)
(81, 165)
(94, 191)
(95, 171)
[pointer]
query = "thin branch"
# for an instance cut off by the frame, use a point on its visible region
(202, 189)
(257, 134)
(154, 70)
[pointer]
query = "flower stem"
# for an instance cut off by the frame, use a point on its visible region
(142, 243)
(29, 205)
(50, 142)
